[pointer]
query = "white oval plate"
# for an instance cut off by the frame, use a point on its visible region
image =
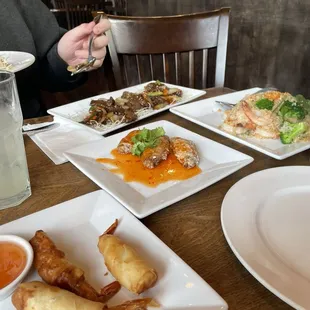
(19, 60)
(265, 219)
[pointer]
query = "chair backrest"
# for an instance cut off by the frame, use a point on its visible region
(173, 39)
(58, 4)
(117, 7)
(80, 11)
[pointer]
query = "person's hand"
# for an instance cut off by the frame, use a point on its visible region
(73, 46)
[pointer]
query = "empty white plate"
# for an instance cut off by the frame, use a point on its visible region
(75, 226)
(216, 162)
(207, 113)
(18, 60)
(265, 219)
(75, 112)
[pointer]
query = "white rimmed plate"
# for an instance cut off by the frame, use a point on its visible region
(75, 112)
(216, 162)
(75, 226)
(19, 60)
(207, 113)
(265, 219)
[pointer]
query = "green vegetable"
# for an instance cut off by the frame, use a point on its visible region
(292, 111)
(264, 104)
(155, 93)
(285, 107)
(289, 132)
(146, 139)
(305, 103)
(138, 148)
(295, 114)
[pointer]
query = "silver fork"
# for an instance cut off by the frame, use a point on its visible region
(90, 59)
(36, 129)
(228, 105)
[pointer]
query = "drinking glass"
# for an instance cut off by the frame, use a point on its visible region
(14, 176)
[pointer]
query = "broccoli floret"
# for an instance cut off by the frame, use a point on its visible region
(292, 111)
(285, 107)
(295, 114)
(305, 103)
(289, 132)
(264, 104)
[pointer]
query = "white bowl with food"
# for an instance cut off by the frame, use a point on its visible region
(15, 61)
(16, 257)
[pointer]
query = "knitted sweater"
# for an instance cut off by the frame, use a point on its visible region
(29, 26)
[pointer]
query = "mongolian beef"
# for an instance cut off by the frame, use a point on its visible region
(130, 106)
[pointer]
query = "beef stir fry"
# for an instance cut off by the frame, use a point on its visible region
(126, 108)
(160, 89)
(108, 111)
(135, 101)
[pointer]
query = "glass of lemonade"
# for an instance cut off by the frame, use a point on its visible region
(14, 176)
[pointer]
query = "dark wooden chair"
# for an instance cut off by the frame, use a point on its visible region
(58, 4)
(59, 10)
(80, 11)
(117, 7)
(182, 43)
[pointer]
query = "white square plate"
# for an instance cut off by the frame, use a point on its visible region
(75, 112)
(75, 226)
(207, 113)
(216, 162)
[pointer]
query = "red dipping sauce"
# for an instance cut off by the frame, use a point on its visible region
(12, 262)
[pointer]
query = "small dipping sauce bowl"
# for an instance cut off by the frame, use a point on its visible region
(16, 257)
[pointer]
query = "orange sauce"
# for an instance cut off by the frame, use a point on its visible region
(132, 169)
(128, 138)
(272, 95)
(12, 262)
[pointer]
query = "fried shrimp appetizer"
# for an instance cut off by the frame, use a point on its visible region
(151, 157)
(124, 263)
(185, 151)
(40, 296)
(55, 269)
(125, 145)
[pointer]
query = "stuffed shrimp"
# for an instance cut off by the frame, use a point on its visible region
(125, 264)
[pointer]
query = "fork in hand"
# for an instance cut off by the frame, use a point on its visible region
(90, 59)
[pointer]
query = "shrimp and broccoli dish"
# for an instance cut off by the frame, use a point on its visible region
(270, 115)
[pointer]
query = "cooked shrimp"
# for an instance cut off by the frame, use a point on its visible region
(151, 157)
(258, 117)
(235, 130)
(266, 132)
(125, 145)
(185, 151)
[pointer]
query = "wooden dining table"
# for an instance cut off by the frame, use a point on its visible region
(191, 227)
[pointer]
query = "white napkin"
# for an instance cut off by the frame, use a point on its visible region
(56, 141)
